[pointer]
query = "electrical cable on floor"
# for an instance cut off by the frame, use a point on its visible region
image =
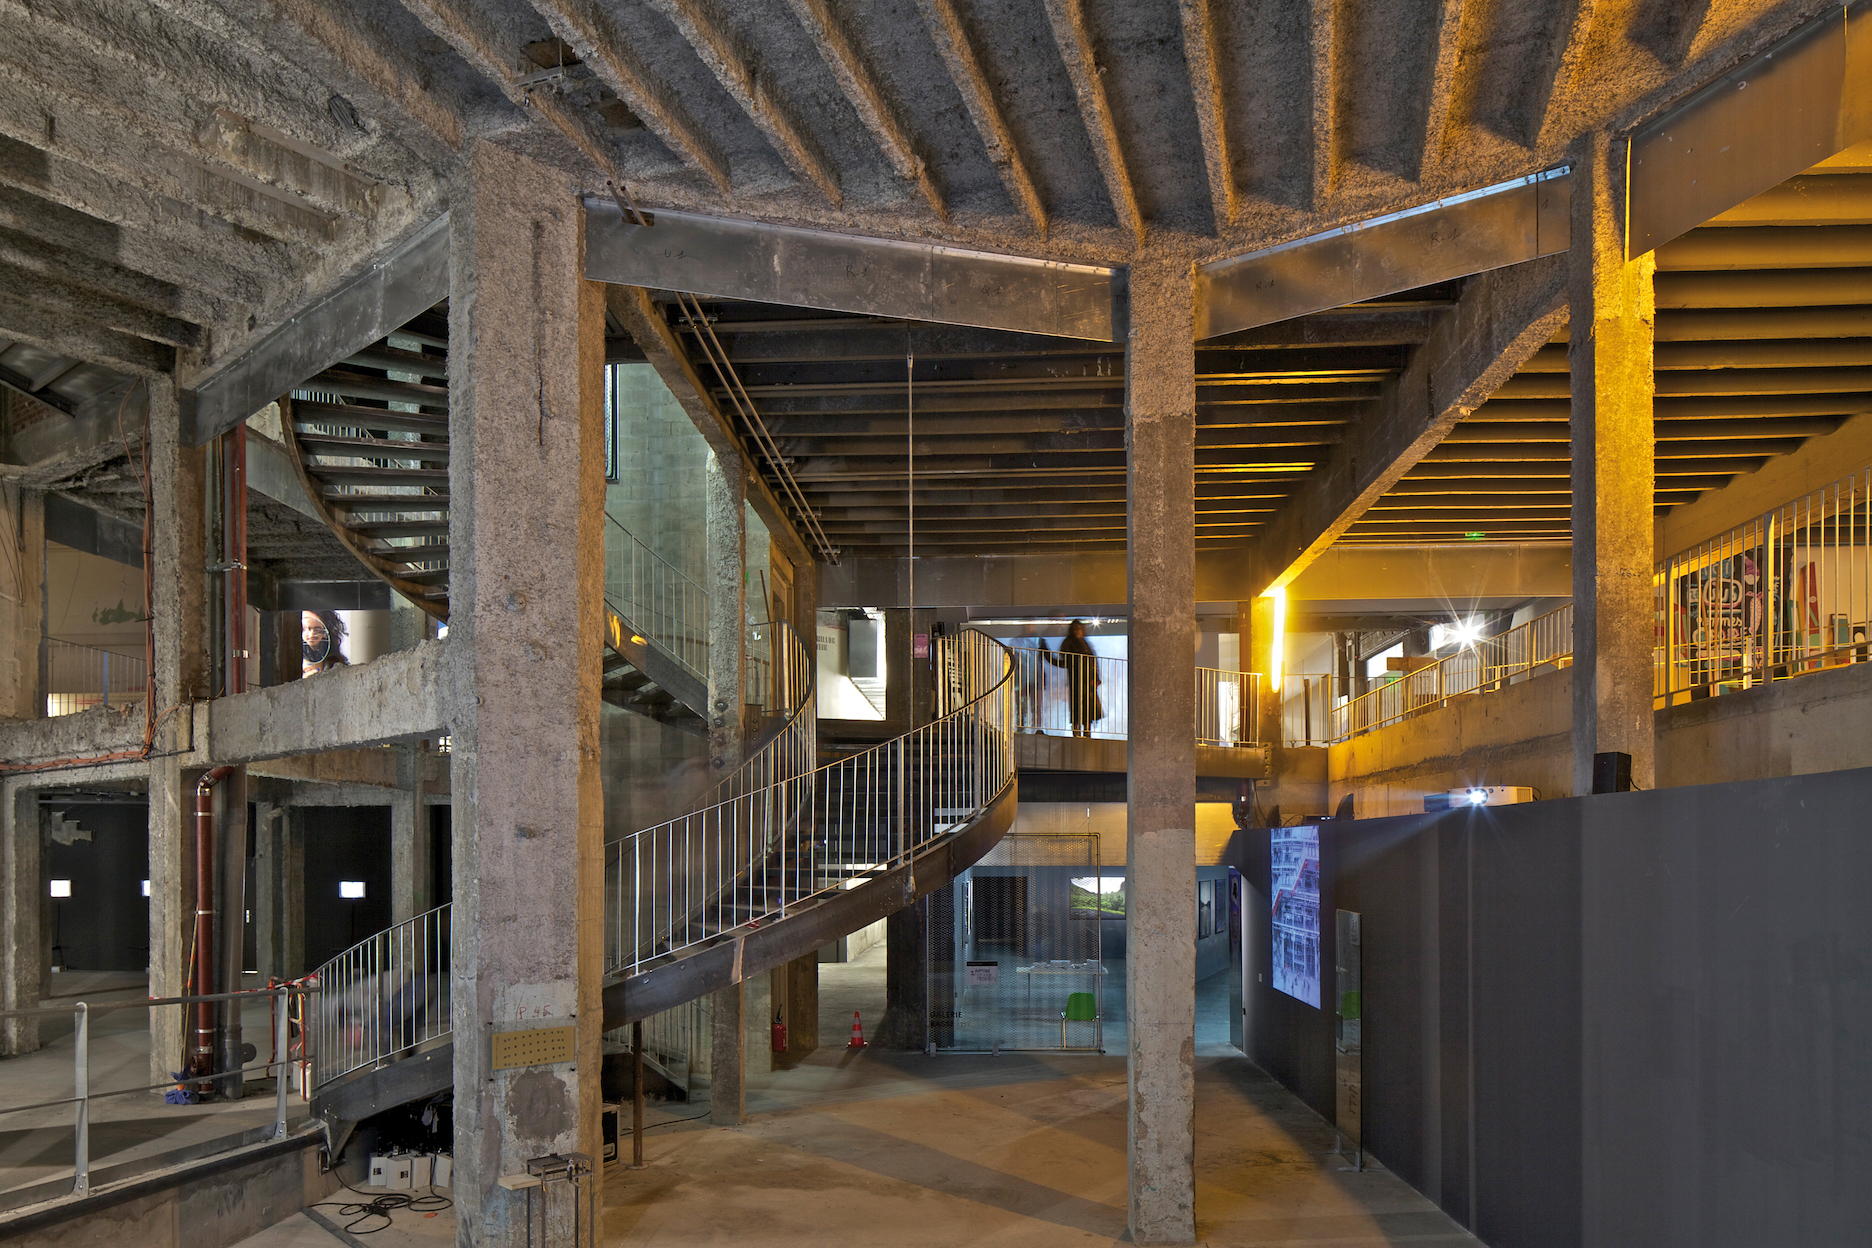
(382, 1206)
(670, 1122)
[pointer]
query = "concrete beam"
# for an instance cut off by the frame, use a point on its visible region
(215, 243)
(1199, 54)
(1503, 317)
(631, 305)
(861, 90)
(134, 148)
(67, 333)
(172, 260)
(965, 70)
(30, 255)
(1074, 36)
(398, 697)
(87, 305)
(591, 32)
(341, 43)
(740, 73)
(22, 612)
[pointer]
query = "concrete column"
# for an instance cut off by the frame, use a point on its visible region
(905, 1024)
(526, 388)
(726, 508)
(176, 536)
(1613, 316)
(22, 603)
(269, 850)
(22, 947)
(1262, 640)
(728, 1058)
(1160, 889)
(411, 884)
(279, 887)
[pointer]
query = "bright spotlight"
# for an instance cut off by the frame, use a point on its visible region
(1478, 797)
(61, 888)
(352, 889)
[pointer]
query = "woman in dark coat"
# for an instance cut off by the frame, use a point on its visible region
(1082, 677)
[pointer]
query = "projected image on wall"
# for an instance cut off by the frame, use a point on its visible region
(1296, 945)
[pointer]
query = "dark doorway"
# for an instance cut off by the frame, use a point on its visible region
(344, 844)
(104, 924)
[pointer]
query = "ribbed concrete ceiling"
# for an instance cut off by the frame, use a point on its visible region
(1764, 339)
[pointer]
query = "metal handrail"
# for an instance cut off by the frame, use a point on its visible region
(1050, 693)
(766, 850)
(382, 997)
(1785, 593)
(1486, 664)
(657, 598)
(82, 1095)
(79, 677)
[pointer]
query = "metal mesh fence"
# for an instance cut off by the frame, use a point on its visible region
(1015, 958)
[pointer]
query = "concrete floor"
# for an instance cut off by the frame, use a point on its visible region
(36, 1146)
(1022, 1149)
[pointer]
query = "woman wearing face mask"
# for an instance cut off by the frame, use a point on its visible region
(321, 636)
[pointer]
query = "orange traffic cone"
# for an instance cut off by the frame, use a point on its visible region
(857, 1037)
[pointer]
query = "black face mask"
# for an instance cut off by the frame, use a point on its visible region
(315, 654)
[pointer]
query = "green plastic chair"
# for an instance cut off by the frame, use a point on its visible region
(1081, 1007)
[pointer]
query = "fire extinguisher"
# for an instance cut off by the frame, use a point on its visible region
(779, 1033)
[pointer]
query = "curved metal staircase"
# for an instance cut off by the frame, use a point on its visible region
(783, 857)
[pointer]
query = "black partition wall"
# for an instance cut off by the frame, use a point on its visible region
(1634, 1018)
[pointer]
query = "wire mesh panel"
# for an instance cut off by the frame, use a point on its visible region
(1016, 956)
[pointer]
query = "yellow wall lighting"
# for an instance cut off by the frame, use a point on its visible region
(1278, 651)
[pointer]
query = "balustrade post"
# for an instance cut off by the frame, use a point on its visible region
(81, 1093)
(282, 1049)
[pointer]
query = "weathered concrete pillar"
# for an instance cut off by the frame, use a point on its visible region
(526, 389)
(1613, 316)
(728, 1058)
(22, 947)
(411, 883)
(176, 544)
(1160, 968)
(726, 509)
(905, 1024)
(279, 888)
(22, 603)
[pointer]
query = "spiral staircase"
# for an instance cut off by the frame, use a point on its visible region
(781, 858)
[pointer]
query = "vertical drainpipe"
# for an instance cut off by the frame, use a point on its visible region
(201, 1057)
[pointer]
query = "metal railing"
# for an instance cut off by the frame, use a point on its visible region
(1546, 641)
(82, 1094)
(1786, 593)
(1225, 705)
(1305, 709)
(677, 1040)
(1088, 696)
(656, 597)
(382, 997)
(764, 850)
(79, 677)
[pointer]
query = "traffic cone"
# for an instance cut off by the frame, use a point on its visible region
(857, 1036)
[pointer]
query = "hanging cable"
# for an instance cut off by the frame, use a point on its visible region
(751, 419)
(910, 451)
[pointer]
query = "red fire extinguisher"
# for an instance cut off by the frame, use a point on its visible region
(779, 1034)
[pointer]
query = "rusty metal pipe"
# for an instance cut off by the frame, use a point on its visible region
(201, 1060)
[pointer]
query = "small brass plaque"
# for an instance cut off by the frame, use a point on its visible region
(538, 1046)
